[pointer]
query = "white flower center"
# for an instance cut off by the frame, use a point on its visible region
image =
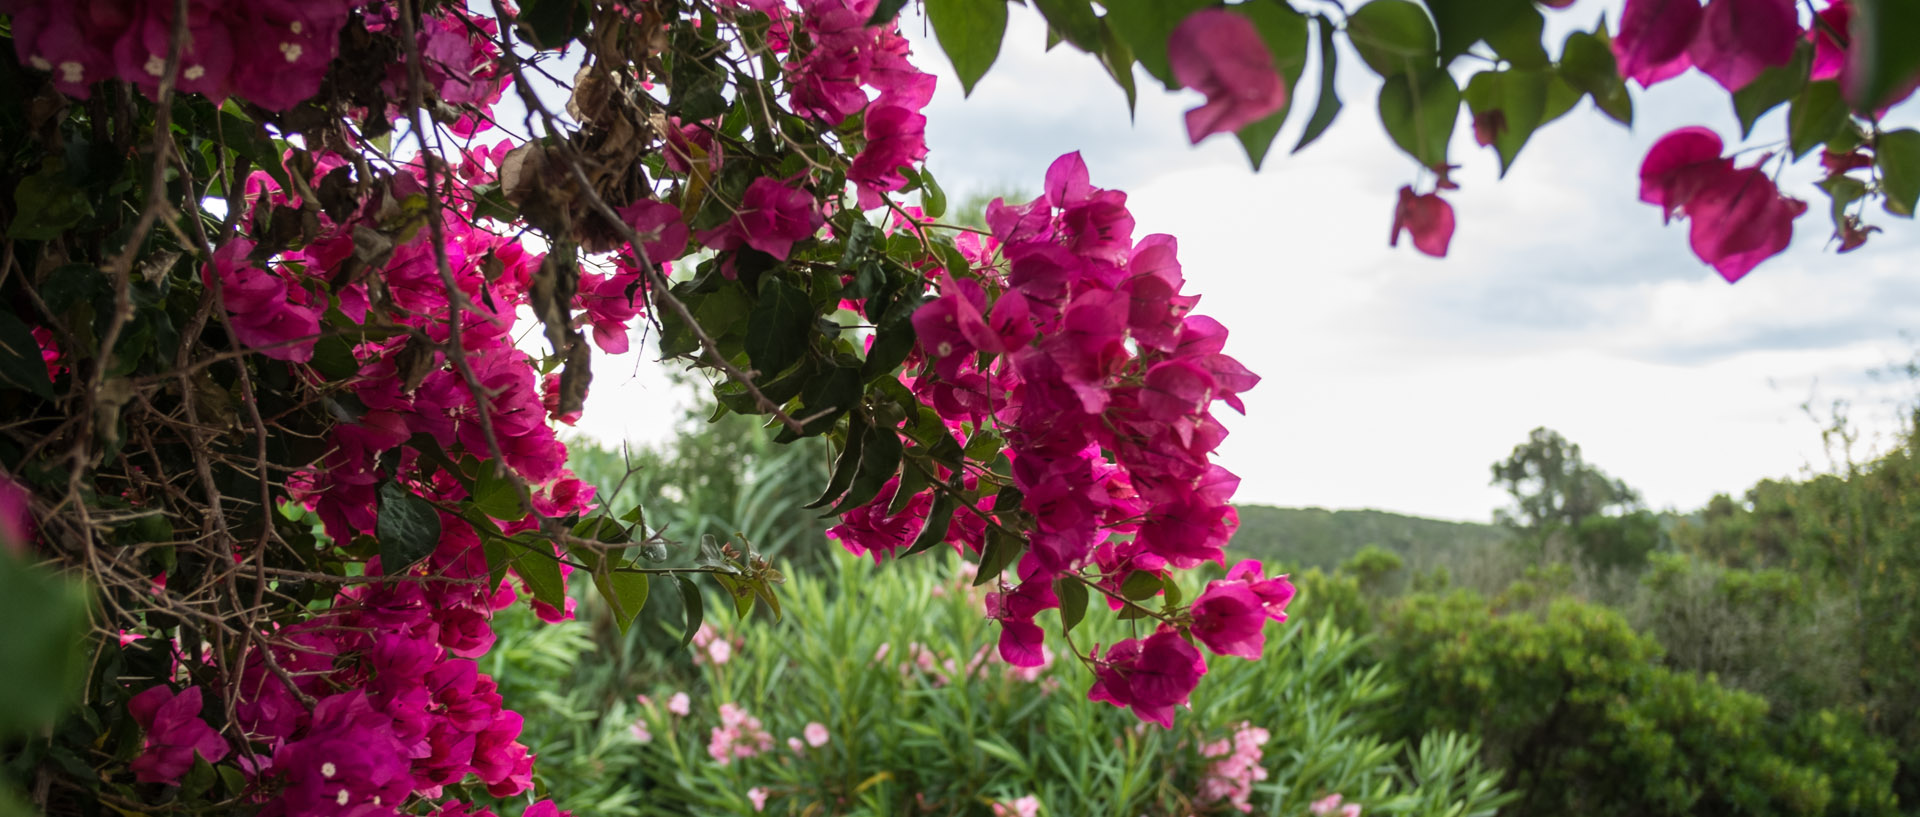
(292, 50)
(40, 63)
(156, 65)
(296, 26)
(194, 72)
(328, 770)
(943, 349)
(72, 71)
(341, 798)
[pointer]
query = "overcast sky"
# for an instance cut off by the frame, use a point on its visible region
(1392, 380)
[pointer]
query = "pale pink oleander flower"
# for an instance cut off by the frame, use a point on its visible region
(758, 795)
(680, 704)
(1326, 805)
(816, 733)
(639, 731)
(720, 651)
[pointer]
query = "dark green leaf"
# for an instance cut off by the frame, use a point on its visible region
(1075, 21)
(1817, 116)
(879, 461)
(46, 204)
(407, 526)
(1772, 88)
(1073, 601)
(199, 778)
(1462, 23)
(933, 199)
(536, 564)
(1883, 37)
(1146, 25)
(625, 593)
(249, 139)
(913, 480)
(551, 24)
(827, 398)
(1587, 64)
(1844, 191)
(1898, 154)
(1511, 103)
(1394, 37)
(938, 521)
(690, 599)
(893, 340)
(43, 647)
(20, 361)
(778, 328)
(885, 12)
(1518, 41)
(1285, 33)
(1419, 111)
(970, 32)
(1001, 550)
(848, 464)
(1329, 105)
(70, 284)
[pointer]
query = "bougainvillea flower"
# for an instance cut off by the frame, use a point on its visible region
(1651, 45)
(896, 137)
(1740, 38)
(1740, 221)
(1151, 676)
(1829, 56)
(1220, 54)
(662, 234)
(175, 734)
(1274, 593)
(1680, 165)
(772, 217)
(1428, 217)
(1230, 619)
(16, 516)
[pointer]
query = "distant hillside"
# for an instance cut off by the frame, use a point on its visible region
(1317, 537)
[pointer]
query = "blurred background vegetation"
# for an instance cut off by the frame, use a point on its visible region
(1581, 655)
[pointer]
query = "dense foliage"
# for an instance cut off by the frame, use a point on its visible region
(269, 265)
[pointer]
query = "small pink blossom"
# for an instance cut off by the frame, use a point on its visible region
(816, 733)
(1651, 45)
(176, 735)
(1028, 806)
(758, 794)
(1428, 217)
(1220, 54)
(1740, 38)
(680, 704)
(638, 729)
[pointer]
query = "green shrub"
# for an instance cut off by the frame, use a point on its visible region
(922, 718)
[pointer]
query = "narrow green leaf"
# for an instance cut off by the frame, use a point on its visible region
(1329, 105)
(848, 464)
(1419, 111)
(1394, 37)
(1898, 155)
(1285, 33)
(407, 526)
(690, 599)
(885, 11)
(893, 339)
(970, 32)
(1118, 58)
(879, 461)
(1817, 116)
(1073, 601)
(938, 521)
(1001, 550)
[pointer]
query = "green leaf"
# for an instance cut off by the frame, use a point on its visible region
(970, 32)
(1898, 155)
(1419, 111)
(1394, 37)
(885, 12)
(46, 204)
(938, 521)
(1285, 33)
(1884, 34)
(199, 778)
(848, 464)
(71, 284)
(1516, 101)
(1073, 601)
(1075, 21)
(250, 139)
(536, 564)
(1462, 23)
(778, 328)
(1001, 550)
(407, 526)
(1772, 88)
(1587, 64)
(893, 339)
(1518, 41)
(551, 24)
(625, 594)
(1844, 191)
(879, 461)
(1118, 59)
(933, 199)
(826, 399)
(1817, 116)
(1140, 584)
(690, 599)
(497, 494)
(1329, 105)
(20, 361)
(1146, 25)
(43, 647)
